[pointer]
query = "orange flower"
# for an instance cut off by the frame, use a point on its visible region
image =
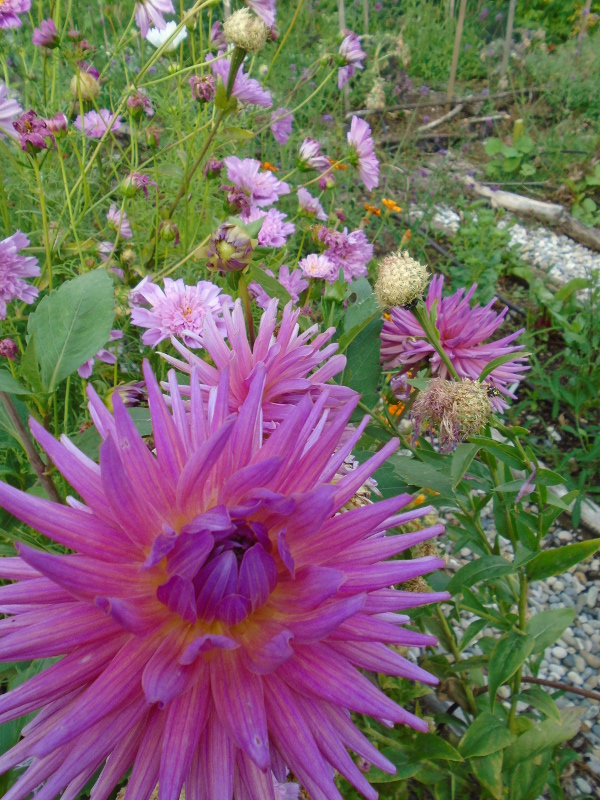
(336, 164)
(270, 167)
(405, 238)
(396, 409)
(372, 209)
(391, 204)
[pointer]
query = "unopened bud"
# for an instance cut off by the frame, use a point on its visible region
(169, 232)
(229, 248)
(401, 280)
(9, 349)
(85, 84)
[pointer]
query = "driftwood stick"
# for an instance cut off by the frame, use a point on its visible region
(434, 123)
(437, 100)
(492, 117)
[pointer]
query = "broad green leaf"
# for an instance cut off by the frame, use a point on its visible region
(506, 453)
(8, 432)
(536, 697)
(544, 736)
(30, 369)
(485, 568)
(559, 559)
(486, 735)
(547, 626)
(363, 314)
(462, 458)
(511, 164)
(506, 658)
(472, 631)
(142, 420)
(524, 144)
(509, 152)
(405, 767)
(431, 747)
(9, 385)
(488, 771)
(363, 369)
(497, 362)
(527, 780)
(425, 476)
(493, 146)
(271, 285)
(71, 324)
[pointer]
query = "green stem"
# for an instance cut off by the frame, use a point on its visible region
(455, 652)
(46, 232)
(245, 298)
(433, 337)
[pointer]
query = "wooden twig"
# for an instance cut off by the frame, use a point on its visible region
(508, 41)
(434, 123)
(437, 100)
(492, 117)
(561, 687)
(456, 52)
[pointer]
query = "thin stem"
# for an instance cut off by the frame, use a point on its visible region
(433, 337)
(245, 298)
(285, 38)
(46, 232)
(455, 652)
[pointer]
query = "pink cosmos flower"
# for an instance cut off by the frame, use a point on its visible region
(85, 370)
(265, 9)
(319, 266)
(274, 231)
(245, 89)
(463, 331)
(134, 181)
(10, 10)
(363, 152)
(95, 124)
(117, 219)
(151, 11)
(13, 269)
(350, 251)
(58, 124)
(215, 610)
(310, 205)
(33, 133)
(263, 188)
(281, 125)
(350, 58)
(46, 35)
(310, 156)
(9, 109)
(293, 282)
(179, 310)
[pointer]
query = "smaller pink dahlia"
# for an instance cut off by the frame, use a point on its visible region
(263, 188)
(95, 124)
(363, 152)
(318, 267)
(151, 11)
(10, 10)
(350, 251)
(13, 269)
(178, 311)
(274, 231)
(463, 331)
(350, 58)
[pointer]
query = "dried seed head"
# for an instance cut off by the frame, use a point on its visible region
(401, 280)
(87, 84)
(376, 98)
(246, 30)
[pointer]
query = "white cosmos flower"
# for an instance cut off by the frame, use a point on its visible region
(157, 38)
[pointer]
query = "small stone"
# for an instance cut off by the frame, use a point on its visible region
(588, 628)
(583, 786)
(574, 678)
(592, 660)
(559, 586)
(581, 577)
(559, 652)
(579, 664)
(592, 682)
(564, 536)
(592, 596)
(504, 692)
(569, 661)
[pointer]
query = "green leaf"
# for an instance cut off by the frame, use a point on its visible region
(8, 432)
(511, 164)
(10, 385)
(485, 568)
(486, 735)
(363, 369)
(547, 626)
(425, 476)
(71, 324)
(472, 631)
(544, 736)
(536, 697)
(431, 747)
(405, 767)
(506, 658)
(493, 146)
(142, 420)
(497, 362)
(462, 458)
(527, 780)
(239, 134)
(572, 286)
(488, 771)
(506, 453)
(559, 559)
(524, 144)
(358, 316)
(271, 285)
(30, 370)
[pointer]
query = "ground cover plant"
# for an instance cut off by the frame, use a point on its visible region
(250, 395)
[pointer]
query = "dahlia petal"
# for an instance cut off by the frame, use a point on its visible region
(164, 676)
(161, 547)
(376, 657)
(13, 568)
(257, 782)
(370, 629)
(252, 476)
(285, 553)
(266, 657)
(257, 576)
(242, 713)
(205, 643)
(144, 773)
(364, 579)
(380, 549)
(352, 482)
(190, 553)
(217, 580)
(119, 761)
(212, 769)
(395, 600)
(140, 615)
(37, 591)
(313, 585)
(354, 739)
(170, 450)
(179, 597)
(233, 609)
(197, 470)
(316, 625)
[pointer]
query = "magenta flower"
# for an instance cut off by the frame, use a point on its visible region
(281, 125)
(350, 58)
(292, 281)
(13, 269)
(9, 109)
(245, 89)
(215, 610)
(179, 310)
(203, 88)
(117, 220)
(262, 188)
(151, 11)
(33, 133)
(350, 251)
(363, 152)
(139, 103)
(10, 10)
(46, 35)
(95, 124)
(85, 370)
(310, 156)
(310, 205)
(58, 124)
(274, 231)
(216, 37)
(134, 181)
(265, 9)
(462, 332)
(319, 267)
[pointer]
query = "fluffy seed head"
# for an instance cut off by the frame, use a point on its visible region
(87, 84)
(401, 280)
(246, 30)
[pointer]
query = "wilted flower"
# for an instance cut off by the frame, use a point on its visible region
(265, 10)
(95, 124)
(245, 30)
(117, 220)
(229, 248)
(245, 89)
(401, 280)
(310, 205)
(215, 611)
(179, 310)
(9, 349)
(138, 103)
(33, 133)
(10, 10)
(212, 168)
(135, 181)
(310, 156)
(46, 35)
(236, 201)
(318, 266)
(262, 188)
(57, 125)
(203, 88)
(147, 11)
(350, 58)
(293, 282)
(457, 409)
(463, 330)
(85, 370)
(274, 231)
(281, 125)
(216, 38)
(363, 152)
(13, 269)
(350, 251)
(152, 134)
(132, 395)
(9, 109)
(158, 36)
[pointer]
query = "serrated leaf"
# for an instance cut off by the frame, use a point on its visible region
(548, 626)
(486, 735)
(485, 568)
(507, 656)
(559, 559)
(9, 385)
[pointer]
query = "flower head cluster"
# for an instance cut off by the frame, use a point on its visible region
(261, 187)
(85, 83)
(293, 282)
(14, 268)
(95, 124)
(151, 11)
(10, 10)
(310, 205)
(349, 251)
(203, 88)
(179, 310)
(9, 109)
(281, 125)
(350, 58)
(85, 370)
(310, 156)
(463, 331)
(274, 230)
(246, 31)
(457, 409)
(245, 89)
(9, 349)
(363, 152)
(319, 267)
(401, 280)
(33, 133)
(159, 36)
(139, 103)
(46, 35)
(229, 248)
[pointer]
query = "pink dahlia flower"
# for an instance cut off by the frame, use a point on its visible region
(85, 370)
(33, 133)
(117, 219)
(46, 35)
(310, 205)
(463, 331)
(319, 267)
(262, 188)
(10, 10)
(274, 231)
(151, 11)
(245, 89)
(215, 612)
(293, 282)
(350, 58)
(265, 9)
(179, 310)
(297, 363)
(363, 152)
(14, 268)
(350, 251)
(9, 109)
(95, 124)
(281, 125)
(310, 156)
